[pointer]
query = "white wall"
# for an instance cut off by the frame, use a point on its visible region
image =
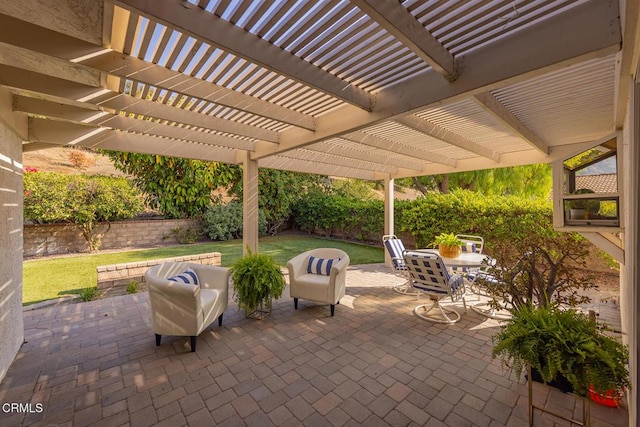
(11, 324)
(629, 296)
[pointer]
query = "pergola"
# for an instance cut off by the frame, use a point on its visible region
(370, 89)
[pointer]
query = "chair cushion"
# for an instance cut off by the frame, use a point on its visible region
(320, 266)
(188, 277)
(396, 250)
(470, 247)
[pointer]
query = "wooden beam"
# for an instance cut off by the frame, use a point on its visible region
(307, 166)
(494, 107)
(92, 60)
(359, 154)
(398, 21)
(396, 147)
(114, 101)
(209, 28)
(129, 67)
(627, 59)
(438, 132)
(65, 133)
(83, 116)
(329, 159)
(528, 53)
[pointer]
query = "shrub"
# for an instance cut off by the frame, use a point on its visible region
(493, 217)
(81, 200)
(79, 160)
(186, 235)
(89, 294)
(132, 287)
(329, 214)
(224, 222)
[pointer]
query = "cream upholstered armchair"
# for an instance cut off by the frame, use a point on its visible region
(318, 275)
(186, 298)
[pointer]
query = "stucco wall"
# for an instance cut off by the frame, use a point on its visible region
(54, 239)
(11, 323)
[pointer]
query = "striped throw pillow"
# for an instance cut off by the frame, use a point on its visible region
(188, 277)
(320, 265)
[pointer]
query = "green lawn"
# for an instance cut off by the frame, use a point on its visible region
(51, 278)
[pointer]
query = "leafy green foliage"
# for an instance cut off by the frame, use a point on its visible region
(565, 342)
(447, 239)
(90, 294)
(186, 235)
(78, 199)
(465, 212)
(541, 268)
(279, 192)
(132, 287)
(353, 188)
(224, 222)
(329, 214)
(179, 188)
(523, 181)
(257, 280)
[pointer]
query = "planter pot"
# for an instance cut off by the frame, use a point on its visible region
(577, 213)
(560, 382)
(450, 251)
(611, 398)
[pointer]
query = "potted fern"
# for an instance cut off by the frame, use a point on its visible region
(563, 343)
(449, 246)
(257, 280)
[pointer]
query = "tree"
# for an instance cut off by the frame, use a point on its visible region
(178, 187)
(279, 192)
(185, 188)
(524, 181)
(79, 199)
(541, 268)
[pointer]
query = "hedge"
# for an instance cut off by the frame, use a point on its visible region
(460, 212)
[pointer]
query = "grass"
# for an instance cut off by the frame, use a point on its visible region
(51, 278)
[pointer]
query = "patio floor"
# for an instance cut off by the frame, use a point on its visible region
(374, 363)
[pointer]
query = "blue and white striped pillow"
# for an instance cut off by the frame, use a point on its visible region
(320, 265)
(189, 277)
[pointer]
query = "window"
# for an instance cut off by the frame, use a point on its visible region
(589, 194)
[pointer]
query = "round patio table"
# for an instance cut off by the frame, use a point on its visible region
(466, 259)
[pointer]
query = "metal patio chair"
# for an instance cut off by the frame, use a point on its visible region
(429, 275)
(396, 250)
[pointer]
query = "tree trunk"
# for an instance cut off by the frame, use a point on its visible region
(421, 188)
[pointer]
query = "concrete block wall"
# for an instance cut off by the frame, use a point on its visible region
(122, 274)
(57, 239)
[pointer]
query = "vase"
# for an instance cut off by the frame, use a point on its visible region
(450, 251)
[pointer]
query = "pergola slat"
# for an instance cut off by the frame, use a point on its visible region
(217, 31)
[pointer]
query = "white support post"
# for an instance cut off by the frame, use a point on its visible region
(388, 213)
(630, 279)
(249, 205)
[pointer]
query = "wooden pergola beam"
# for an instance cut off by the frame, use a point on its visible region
(433, 130)
(399, 22)
(493, 106)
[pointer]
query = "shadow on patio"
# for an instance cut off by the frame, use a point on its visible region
(374, 363)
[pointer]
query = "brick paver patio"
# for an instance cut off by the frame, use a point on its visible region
(373, 364)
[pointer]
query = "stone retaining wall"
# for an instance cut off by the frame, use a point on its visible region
(57, 239)
(122, 274)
